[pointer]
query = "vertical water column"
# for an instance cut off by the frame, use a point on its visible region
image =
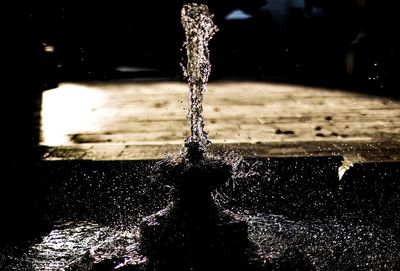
(199, 29)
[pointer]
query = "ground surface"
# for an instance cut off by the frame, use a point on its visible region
(125, 120)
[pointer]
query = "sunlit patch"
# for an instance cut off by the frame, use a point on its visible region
(132, 69)
(66, 110)
(49, 49)
(346, 164)
(154, 113)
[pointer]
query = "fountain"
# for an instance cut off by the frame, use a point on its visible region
(187, 229)
(191, 233)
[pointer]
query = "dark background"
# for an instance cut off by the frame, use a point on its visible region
(311, 41)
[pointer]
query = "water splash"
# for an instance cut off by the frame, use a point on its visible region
(84, 245)
(199, 29)
(323, 246)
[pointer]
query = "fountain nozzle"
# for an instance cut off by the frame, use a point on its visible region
(194, 150)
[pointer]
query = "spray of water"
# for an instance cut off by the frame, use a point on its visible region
(199, 29)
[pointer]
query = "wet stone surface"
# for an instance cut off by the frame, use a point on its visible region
(278, 243)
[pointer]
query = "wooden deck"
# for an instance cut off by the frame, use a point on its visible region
(144, 120)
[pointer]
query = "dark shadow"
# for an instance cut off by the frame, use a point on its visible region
(346, 44)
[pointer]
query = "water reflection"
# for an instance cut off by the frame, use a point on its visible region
(323, 246)
(79, 245)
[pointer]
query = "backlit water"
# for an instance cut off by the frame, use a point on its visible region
(328, 245)
(325, 246)
(199, 29)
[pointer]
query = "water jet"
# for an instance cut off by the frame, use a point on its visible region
(191, 233)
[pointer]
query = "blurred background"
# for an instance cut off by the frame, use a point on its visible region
(315, 41)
